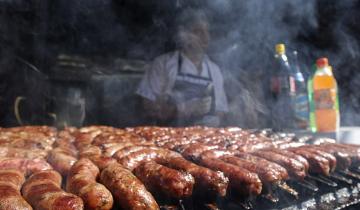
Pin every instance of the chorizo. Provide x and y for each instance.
(43, 191)
(10, 197)
(81, 181)
(172, 183)
(130, 193)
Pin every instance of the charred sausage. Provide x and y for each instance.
(61, 161)
(23, 165)
(42, 190)
(328, 156)
(209, 182)
(295, 168)
(242, 181)
(293, 156)
(318, 164)
(257, 160)
(81, 181)
(10, 197)
(130, 193)
(172, 183)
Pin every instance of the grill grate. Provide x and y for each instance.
(339, 191)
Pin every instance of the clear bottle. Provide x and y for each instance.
(282, 91)
(300, 100)
(325, 98)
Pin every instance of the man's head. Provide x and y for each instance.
(193, 31)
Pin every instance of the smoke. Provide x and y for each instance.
(243, 37)
(245, 33)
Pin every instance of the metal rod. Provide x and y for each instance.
(308, 185)
(351, 174)
(169, 207)
(246, 205)
(341, 178)
(181, 205)
(270, 197)
(211, 206)
(283, 186)
(357, 170)
(323, 180)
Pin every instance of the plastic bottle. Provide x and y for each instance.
(325, 98)
(312, 122)
(300, 100)
(282, 90)
(337, 105)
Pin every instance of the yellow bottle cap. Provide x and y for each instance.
(280, 49)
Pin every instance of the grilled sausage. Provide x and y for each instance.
(27, 138)
(83, 139)
(81, 181)
(293, 156)
(61, 161)
(207, 182)
(250, 147)
(242, 181)
(134, 159)
(170, 182)
(111, 148)
(353, 151)
(22, 153)
(10, 196)
(261, 161)
(135, 156)
(65, 142)
(193, 151)
(124, 152)
(318, 164)
(119, 136)
(102, 161)
(287, 145)
(215, 154)
(171, 144)
(129, 192)
(266, 174)
(205, 179)
(42, 190)
(343, 158)
(295, 168)
(331, 158)
(23, 165)
(89, 151)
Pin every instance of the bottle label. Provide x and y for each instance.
(301, 110)
(275, 84)
(283, 85)
(292, 85)
(325, 98)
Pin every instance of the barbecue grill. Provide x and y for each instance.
(341, 190)
(187, 150)
(82, 63)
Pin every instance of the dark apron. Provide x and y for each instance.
(188, 86)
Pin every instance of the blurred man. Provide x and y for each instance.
(185, 87)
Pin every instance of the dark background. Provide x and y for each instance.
(33, 33)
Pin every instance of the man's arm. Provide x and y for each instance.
(161, 109)
(153, 88)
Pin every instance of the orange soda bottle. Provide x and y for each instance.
(325, 98)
